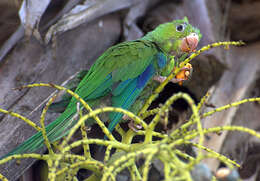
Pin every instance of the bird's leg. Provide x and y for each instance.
(161, 79)
(131, 124)
(184, 74)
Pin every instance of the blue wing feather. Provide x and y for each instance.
(129, 95)
(121, 87)
(161, 60)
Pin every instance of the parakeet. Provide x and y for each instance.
(122, 72)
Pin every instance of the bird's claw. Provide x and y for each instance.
(161, 79)
(186, 68)
(184, 74)
(131, 124)
(134, 127)
(177, 80)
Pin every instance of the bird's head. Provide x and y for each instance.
(176, 37)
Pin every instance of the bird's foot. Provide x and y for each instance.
(134, 127)
(184, 74)
(131, 124)
(161, 79)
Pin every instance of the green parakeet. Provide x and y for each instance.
(122, 72)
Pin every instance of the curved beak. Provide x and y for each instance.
(190, 43)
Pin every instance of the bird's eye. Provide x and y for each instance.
(180, 27)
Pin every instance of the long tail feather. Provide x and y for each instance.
(54, 130)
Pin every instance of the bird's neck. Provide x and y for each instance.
(168, 46)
